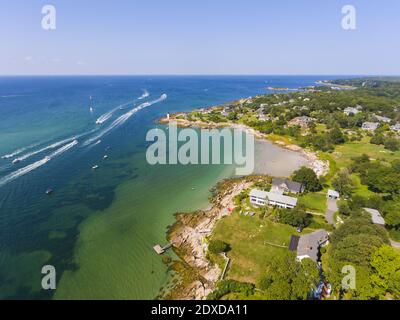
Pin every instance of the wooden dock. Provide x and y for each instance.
(161, 250)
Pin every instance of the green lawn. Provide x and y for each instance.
(344, 153)
(315, 202)
(247, 237)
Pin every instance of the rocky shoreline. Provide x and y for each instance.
(189, 234)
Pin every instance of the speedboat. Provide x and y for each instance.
(95, 167)
(105, 157)
(49, 191)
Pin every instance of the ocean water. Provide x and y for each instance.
(98, 227)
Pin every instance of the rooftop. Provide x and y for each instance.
(375, 216)
(291, 185)
(258, 194)
(281, 198)
(309, 244)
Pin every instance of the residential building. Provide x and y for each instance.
(376, 216)
(350, 110)
(263, 198)
(370, 126)
(333, 194)
(303, 121)
(396, 127)
(258, 197)
(308, 246)
(382, 119)
(282, 186)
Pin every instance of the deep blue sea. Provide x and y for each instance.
(98, 227)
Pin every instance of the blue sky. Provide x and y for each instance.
(200, 37)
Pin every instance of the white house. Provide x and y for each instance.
(396, 127)
(350, 110)
(333, 194)
(263, 198)
(370, 126)
(258, 197)
(382, 119)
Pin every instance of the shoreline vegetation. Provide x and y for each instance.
(198, 271)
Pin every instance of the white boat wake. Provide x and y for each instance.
(18, 151)
(51, 146)
(122, 119)
(25, 170)
(144, 95)
(109, 114)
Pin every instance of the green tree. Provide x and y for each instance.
(392, 144)
(218, 246)
(342, 182)
(308, 178)
(297, 217)
(385, 263)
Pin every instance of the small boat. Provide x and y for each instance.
(105, 157)
(49, 191)
(95, 167)
(16, 161)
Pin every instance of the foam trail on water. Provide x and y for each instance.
(144, 95)
(63, 149)
(122, 119)
(49, 147)
(18, 151)
(25, 170)
(52, 146)
(103, 118)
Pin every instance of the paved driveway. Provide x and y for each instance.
(332, 208)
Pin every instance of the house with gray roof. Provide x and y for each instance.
(282, 186)
(350, 110)
(376, 216)
(308, 245)
(263, 198)
(382, 119)
(395, 127)
(370, 126)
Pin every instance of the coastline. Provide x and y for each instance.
(188, 235)
(320, 167)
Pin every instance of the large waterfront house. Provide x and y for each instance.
(282, 186)
(370, 126)
(308, 246)
(376, 216)
(264, 198)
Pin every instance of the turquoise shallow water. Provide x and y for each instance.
(98, 227)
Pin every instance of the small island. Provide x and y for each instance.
(289, 238)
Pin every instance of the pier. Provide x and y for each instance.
(161, 250)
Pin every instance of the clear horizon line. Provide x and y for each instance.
(195, 74)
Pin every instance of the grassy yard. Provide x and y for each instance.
(315, 202)
(247, 237)
(344, 153)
